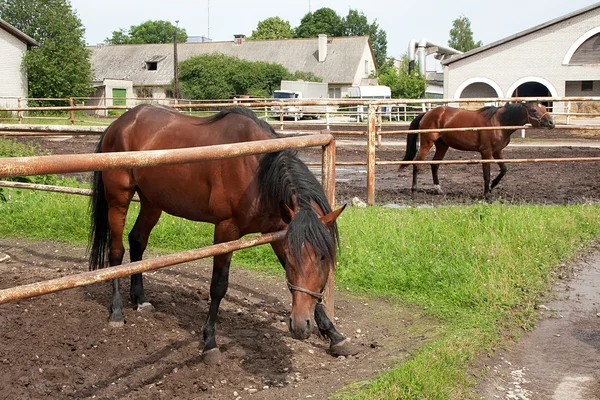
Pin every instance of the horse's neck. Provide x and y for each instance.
(511, 119)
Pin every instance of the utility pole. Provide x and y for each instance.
(176, 94)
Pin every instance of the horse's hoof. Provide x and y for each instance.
(116, 324)
(438, 189)
(212, 356)
(146, 306)
(344, 348)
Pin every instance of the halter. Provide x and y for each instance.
(539, 120)
(318, 296)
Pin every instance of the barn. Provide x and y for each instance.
(13, 79)
(558, 58)
(146, 70)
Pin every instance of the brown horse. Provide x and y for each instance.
(489, 143)
(239, 196)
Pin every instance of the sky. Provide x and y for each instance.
(402, 20)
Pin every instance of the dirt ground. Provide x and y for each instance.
(60, 346)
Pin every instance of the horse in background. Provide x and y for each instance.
(489, 143)
(242, 195)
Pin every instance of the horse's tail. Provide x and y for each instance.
(411, 140)
(99, 240)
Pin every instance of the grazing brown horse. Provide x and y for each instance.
(239, 196)
(489, 143)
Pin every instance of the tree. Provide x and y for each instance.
(404, 85)
(356, 24)
(272, 28)
(60, 67)
(148, 32)
(461, 36)
(217, 76)
(324, 20)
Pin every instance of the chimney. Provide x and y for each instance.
(239, 38)
(322, 47)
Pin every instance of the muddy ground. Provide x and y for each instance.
(60, 346)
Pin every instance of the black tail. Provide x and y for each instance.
(411, 140)
(99, 239)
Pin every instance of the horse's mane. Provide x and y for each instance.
(512, 115)
(245, 112)
(284, 177)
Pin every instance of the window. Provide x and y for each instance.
(587, 86)
(367, 70)
(151, 65)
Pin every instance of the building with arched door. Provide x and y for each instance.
(558, 58)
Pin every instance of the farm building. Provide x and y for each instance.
(146, 70)
(558, 58)
(13, 79)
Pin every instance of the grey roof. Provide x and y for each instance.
(521, 34)
(128, 62)
(17, 33)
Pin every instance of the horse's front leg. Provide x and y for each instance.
(486, 178)
(218, 287)
(503, 169)
(338, 344)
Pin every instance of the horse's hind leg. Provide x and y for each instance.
(424, 148)
(138, 240)
(440, 151)
(116, 216)
(503, 169)
(118, 193)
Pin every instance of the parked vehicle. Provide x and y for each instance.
(369, 92)
(296, 90)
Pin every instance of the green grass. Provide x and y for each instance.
(477, 269)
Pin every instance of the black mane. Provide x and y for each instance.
(284, 177)
(514, 113)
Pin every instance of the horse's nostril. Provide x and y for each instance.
(307, 324)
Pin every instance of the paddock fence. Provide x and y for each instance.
(340, 117)
(57, 164)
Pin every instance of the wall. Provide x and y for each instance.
(534, 57)
(13, 80)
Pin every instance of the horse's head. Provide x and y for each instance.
(310, 248)
(538, 116)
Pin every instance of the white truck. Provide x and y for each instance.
(369, 92)
(300, 90)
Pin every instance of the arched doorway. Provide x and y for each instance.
(533, 89)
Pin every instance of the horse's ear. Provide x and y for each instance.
(332, 216)
(287, 214)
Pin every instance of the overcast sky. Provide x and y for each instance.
(402, 20)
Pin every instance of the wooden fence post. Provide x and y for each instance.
(20, 113)
(328, 182)
(371, 133)
(72, 111)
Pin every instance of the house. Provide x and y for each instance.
(558, 58)
(146, 70)
(13, 79)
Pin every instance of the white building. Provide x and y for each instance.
(558, 58)
(146, 70)
(13, 78)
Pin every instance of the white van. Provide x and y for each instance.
(369, 92)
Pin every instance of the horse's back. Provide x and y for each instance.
(150, 127)
(209, 191)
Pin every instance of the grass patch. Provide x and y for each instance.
(478, 269)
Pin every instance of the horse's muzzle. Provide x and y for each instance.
(550, 124)
(300, 328)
